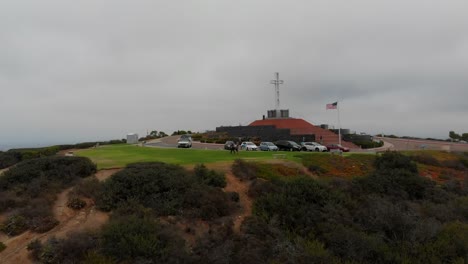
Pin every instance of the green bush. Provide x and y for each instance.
(392, 160)
(209, 177)
(425, 158)
(2, 246)
(76, 203)
(167, 189)
(295, 205)
(316, 169)
(89, 187)
(369, 144)
(396, 175)
(8, 159)
(244, 170)
(30, 188)
(233, 196)
(42, 224)
(73, 249)
(132, 238)
(61, 170)
(35, 247)
(14, 225)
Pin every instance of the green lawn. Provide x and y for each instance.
(116, 156)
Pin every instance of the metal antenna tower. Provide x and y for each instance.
(277, 83)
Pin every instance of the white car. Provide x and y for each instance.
(184, 141)
(313, 146)
(248, 146)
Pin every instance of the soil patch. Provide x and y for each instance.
(245, 202)
(102, 175)
(70, 220)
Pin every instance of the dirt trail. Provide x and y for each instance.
(3, 170)
(70, 220)
(105, 174)
(242, 188)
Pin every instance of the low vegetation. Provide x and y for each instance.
(29, 189)
(2, 246)
(327, 165)
(13, 156)
(392, 215)
(354, 209)
(167, 190)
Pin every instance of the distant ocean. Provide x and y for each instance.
(5, 147)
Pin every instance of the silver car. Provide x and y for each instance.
(268, 146)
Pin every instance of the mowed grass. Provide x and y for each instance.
(117, 156)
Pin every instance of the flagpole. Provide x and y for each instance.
(339, 124)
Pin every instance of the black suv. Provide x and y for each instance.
(287, 145)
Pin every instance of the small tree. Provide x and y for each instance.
(454, 135)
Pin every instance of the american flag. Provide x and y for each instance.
(332, 106)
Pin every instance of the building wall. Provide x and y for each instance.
(265, 133)
(132, 138)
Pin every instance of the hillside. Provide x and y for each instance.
(307, 208)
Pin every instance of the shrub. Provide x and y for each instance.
(8, 159)
(70, 250)
(244, 170)
(260, 187)
(167, 189)
(454, 164)
(42, 224)
(369, 144)
(392, 160)
(76, 203)
(296, 204)
(132, 238)
(89, 187)
(30, 187)
(209, 177)
(95, 257)
(206, 202)
(425, 158)
(63, 170)
(233, 196)
(14, 225)
(2, 246)
(35, 247)
(316, 169)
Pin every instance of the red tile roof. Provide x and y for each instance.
(296, 125)
(299, 126)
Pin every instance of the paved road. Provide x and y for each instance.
(171, 142)
(417, 144)
(389, 144)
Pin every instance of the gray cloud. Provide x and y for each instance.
(86, 70)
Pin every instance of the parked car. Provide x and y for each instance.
(228, 144)
(248, 146)
(287, 145)
(335, 147)
(313, 146)
(268, 146)
(185, 141)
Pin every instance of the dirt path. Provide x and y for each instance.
(105, 174)
(3, 170)
(70, 220)
(242, 188)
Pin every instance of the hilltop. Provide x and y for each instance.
(244, 208)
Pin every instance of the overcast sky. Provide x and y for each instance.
(73, 71)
